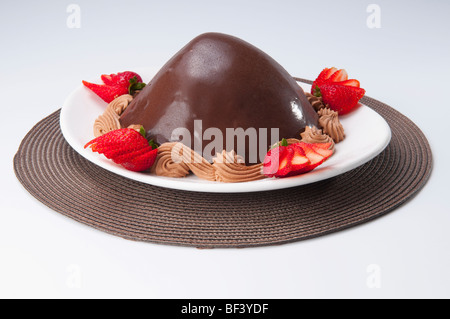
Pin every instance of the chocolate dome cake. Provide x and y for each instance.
(226, 83)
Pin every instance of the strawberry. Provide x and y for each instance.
(299, 161)
(340, 98)
(124, 157)
(326, 75)
(141, 162)
(338, 76)
(277, 162)
(351, 82)
(322, 148)
(121, 78)
(316, 155)
(340, 93)
(115, 85)
(126, 147)
(295, 159)
(319, 146)
(105, 92)
(117, 138)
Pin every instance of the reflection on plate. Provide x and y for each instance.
(367, 134)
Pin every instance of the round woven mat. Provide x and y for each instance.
(63, 180)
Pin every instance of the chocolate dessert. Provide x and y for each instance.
(226, 83)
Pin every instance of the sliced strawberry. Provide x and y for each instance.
(329, 75)
(277, 162)
(299, 160)
(339, 92)
(284, 166)
(326, 74)
(295, 159)
(315, 159)
(113, 139)
(324, 152)
(322, 78)
(115, 85)
(141, 162)
(108, 79)
(126, 157)
(105, 92)
(338, 76)
(341, 98)
(121, 78)
(120, 150)
(126, 147)
(325, 146)
(351, 82)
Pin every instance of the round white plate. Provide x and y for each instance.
(367, 134)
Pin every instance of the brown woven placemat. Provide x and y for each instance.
(64, 181)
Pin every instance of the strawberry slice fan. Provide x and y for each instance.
(295, 159)
(126, 147)
(55, 174)
(115, 85)
(341, 94)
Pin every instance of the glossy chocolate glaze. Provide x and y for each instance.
(227, 83)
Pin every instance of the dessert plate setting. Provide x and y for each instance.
(55, 174)
(383, 161)
(367, 135)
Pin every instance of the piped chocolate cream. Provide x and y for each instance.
(222, 82)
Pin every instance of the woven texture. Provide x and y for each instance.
(64, 181)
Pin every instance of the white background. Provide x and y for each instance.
(404, 64)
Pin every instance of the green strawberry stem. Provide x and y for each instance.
(317, 92)
(153, 144)
(283, 142)
(135, 85)
(142, 131)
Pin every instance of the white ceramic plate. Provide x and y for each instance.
(367, 134)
